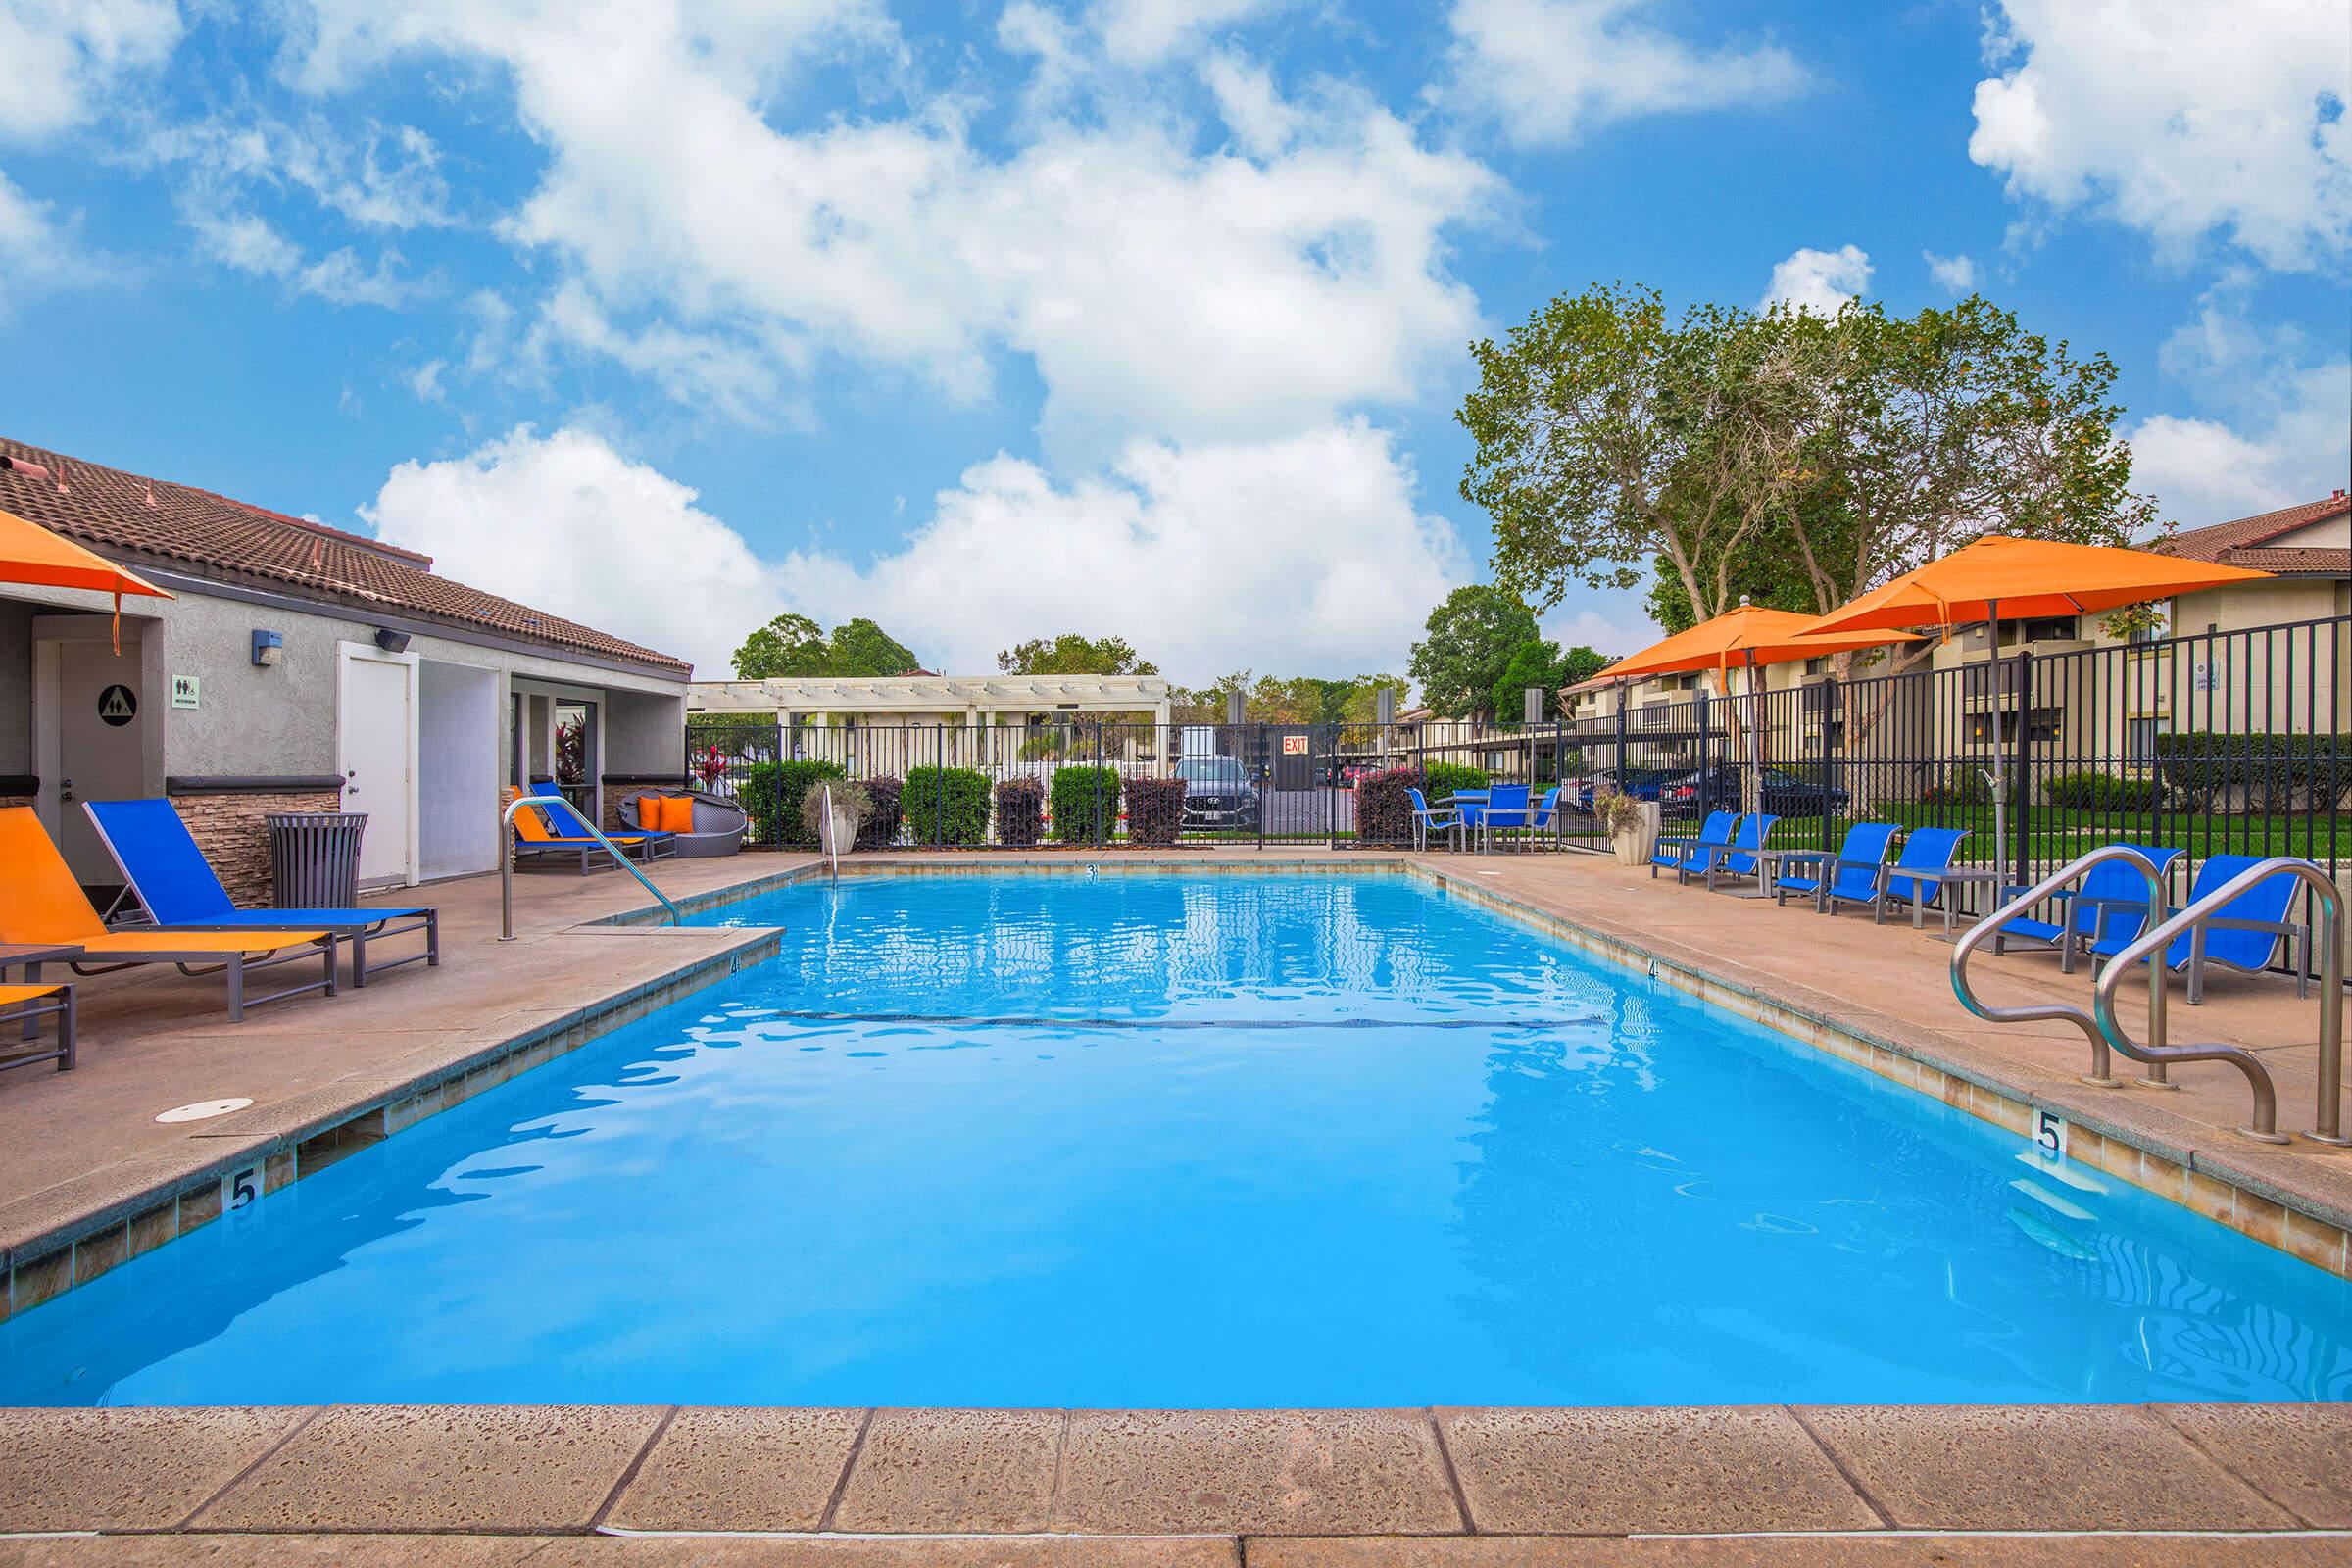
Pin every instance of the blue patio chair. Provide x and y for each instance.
(166, 873)
(1851, 871)
(1914, 877)
(553, 825)
(1447, 817)
(1547, 810)
(1679, 854)
(2111, 904)
(1739, 857)
(1506, 807)
(2244, 936)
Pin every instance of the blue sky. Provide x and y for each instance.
(1135, 316)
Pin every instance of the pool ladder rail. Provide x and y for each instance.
(506, 867)
(2107, 1034)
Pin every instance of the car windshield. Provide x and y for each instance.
(1210, 770)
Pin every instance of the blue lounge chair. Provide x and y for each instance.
(2244, 936)
(1545, 810)
(1506, 807)
(2111, 904)
(166, 873)
(1445, 818)
(1739, 857)
(1914, 877)
(554, 826)
(1851, 871)
(1681, 855)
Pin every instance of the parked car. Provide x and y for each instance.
(1641, 783)
(1687, 793)
(1218, 793)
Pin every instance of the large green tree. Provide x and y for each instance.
(1799, 459)
(1071, 653)
(1469, 640)
(1540, 663)
(792, 644)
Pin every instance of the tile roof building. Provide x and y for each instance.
(300, 666)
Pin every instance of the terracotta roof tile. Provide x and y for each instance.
(2242, 543)
(130, 516)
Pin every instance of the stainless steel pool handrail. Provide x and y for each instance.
(2150, 949)
(1986, 929)
(506, 867)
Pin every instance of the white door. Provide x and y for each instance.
(101, 715)
(376, 734)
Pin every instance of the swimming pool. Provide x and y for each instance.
(1203, 1140)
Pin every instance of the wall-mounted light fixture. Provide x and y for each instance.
(268, 647)
(392, 642)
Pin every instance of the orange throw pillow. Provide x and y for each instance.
(675, 815)
(648, 814)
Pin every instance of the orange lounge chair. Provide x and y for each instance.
(41, 905)
(29, 1005)
(536, 832)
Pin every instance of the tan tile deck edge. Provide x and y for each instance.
(1304, 1484)
(37, 1267)
(2308, 1226)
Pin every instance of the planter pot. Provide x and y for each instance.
(1634, 845)
(837, 833)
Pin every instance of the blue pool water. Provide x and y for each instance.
(1190, 1141)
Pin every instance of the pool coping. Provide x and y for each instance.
(1790, 1473)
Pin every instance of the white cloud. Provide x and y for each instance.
(1158, 290)
(1249, 104)
(1955, 275)
(37, 254)
(250, 243)
(1191, 553)
(1819, 280)
(2278, 426)
(2178, 117)
(1552, 70)
(1141, 32)
(60, 56)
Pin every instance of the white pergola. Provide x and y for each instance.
(978, 700)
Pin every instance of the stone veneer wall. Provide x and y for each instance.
(230, 829)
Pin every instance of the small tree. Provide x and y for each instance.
(1072, 653)
(1471, 638)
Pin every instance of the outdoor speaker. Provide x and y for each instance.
(392, 642)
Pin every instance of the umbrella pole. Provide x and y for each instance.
(2000, 796)
(1755, 728)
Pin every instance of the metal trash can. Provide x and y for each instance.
(314, 859)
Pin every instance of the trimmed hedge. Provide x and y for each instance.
(1384, 811)
(1020, 814)
(2256, 770)
(1154, 809)
(1442, 779)
(880, 829)
(946, 806)
(1086, 804)
(2100, 792)
(771, 795)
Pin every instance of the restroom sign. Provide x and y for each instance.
(184, 691)
(118, 706)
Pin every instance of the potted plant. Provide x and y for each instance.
(836, 834)
(1631, 824)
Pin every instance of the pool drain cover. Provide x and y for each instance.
(204, 1110)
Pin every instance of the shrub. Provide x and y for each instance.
(946, 806)
(1441, 779)
(770, 796)
(2100, 792)
(1021, 812)
(1964, 787)
(1086, 804)
(1154, 809)
(847, 797)
(1384, 811)
(880, 829)
(2216, 771)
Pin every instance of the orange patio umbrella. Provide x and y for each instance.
(31, 554)
(1751, 637)
(2022, 578)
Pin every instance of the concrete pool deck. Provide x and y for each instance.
(81, 1156)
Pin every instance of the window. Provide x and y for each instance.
(2139, 738)
(2051, 629)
